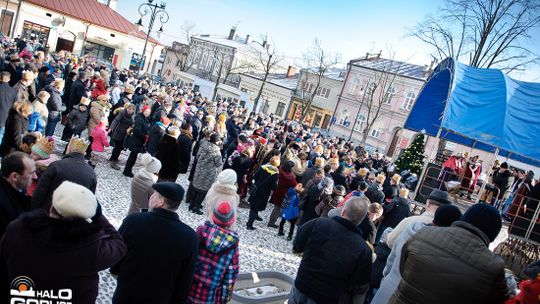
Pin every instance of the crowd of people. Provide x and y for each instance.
(358, 242)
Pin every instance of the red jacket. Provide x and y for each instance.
(99, 89)
(285, 181)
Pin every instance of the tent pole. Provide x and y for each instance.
(489, 171)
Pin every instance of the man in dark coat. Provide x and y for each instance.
(159, 246)
(118, 132)
(169, 155)
(196, 125)
(136, 142)
(73, 168)
(185, 142)
(265, 182)
(157, 131)
(78, 90)
(324, 280)
(14, 69)
(61, 249)
(8, 96)
(18, 170)
(374, 191)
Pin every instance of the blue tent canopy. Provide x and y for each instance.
(485, 109)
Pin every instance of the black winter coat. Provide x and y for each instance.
(16, 74)
(136, 142)
(321, 278)
(184, 145)
(157, 131)
(395, 211)
(310, 201)
(12, 203)
(169, 155)
(66, 98)
(54, 105)
(340, 179)
(78, 90)
(120, 124)
(196, 127)
(16, 127)
(146, 233)
(374, 194)
(73, 168)
(77, 120)
(8, 96)
(58, 254)
(502, 181)
(266, 181)
(240, 165)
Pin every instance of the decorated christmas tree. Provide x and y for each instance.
(412, 158)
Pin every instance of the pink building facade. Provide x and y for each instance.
(396, 96)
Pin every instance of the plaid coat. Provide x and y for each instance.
(217, 267)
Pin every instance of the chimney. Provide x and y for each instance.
(264, 44)
(247, 39)
(112, 4)
(291, 71)
(379, 55)
(232, 33)
(367, 55)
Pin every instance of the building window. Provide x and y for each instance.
(323, 92)
(359, 122)
(280, 108)
(266, 107)
(204, 60)
(98, 51)
(390, 93)
(356, 86)
(169, 60)
(377, 129)
(409, 101)
(344, 118)
(35, 31)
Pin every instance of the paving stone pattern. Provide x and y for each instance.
(261, 249)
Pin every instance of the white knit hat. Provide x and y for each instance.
(72, 200)
(151, 164)
(227, 177)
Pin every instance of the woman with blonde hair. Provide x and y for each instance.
(40, 105)
(16, 127)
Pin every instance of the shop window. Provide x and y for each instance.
(35, 31)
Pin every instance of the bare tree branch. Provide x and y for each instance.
(491, 33)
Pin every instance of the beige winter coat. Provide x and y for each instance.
(141, 190)
(41, 108)
(97, 113)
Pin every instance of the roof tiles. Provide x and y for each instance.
(94, 12)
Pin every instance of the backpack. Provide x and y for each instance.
(290, 206)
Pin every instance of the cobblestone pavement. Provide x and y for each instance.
(261, 249)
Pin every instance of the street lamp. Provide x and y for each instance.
(155, 11)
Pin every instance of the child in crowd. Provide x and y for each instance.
(99, 134)
(290, 210)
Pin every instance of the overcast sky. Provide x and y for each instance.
(350, 28)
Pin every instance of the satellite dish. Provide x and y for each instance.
(58, 22)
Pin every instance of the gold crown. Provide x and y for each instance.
(77, 145)
(44, 145)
